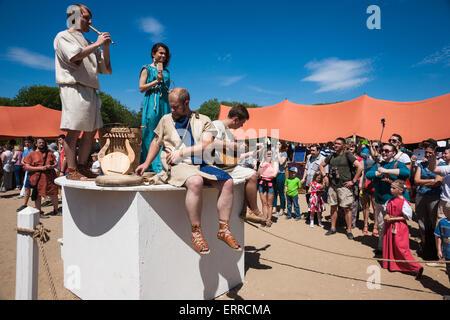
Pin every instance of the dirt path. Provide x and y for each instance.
(275, 269)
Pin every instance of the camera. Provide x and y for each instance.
(334, 173)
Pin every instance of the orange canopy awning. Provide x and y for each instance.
(36, 121)
(414, 121)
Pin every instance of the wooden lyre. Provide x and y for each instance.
(121, 159)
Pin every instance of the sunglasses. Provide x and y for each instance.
(386, 151)
(393, 140)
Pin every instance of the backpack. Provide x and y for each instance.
(350, 164)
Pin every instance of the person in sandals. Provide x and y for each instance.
(226, 147)
(77, 64)
(184, 136)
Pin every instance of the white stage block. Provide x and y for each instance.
(135, 243)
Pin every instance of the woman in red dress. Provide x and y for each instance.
(396, 233)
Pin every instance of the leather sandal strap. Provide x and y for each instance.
(198, 241)
(74, 174)
(226, 236)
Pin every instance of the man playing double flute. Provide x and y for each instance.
(77, 64)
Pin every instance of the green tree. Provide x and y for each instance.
(44, 95)
(211, 108)
(322, 103)
(7, 102)
(114, 112)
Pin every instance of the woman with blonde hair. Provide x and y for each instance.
(268, 170)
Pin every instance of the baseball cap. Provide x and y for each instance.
(293, 169)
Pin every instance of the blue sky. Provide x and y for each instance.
(254, 51)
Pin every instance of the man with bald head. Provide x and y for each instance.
(184, 136)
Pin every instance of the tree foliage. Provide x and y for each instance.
(112, 110)
(43, 95)
(7, 102)
(211, 107)
(322, 103)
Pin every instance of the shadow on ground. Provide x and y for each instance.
(9, 196)
(252, 260)
(426, 281)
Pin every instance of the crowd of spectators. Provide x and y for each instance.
(378, 179)
(31, 166)
(381, 180)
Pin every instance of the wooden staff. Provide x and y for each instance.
(98, 32)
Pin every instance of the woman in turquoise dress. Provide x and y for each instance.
(155, 84)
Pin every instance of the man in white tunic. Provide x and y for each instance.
(77, 64)
(225, 145)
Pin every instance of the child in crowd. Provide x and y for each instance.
(442, 234)
(292, 187)
(316, 203)
(95, 168)
(396, 233)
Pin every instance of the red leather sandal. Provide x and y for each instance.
(225, 235)
(253, 216)
(85, 171)
(198, 241)
(74, 174)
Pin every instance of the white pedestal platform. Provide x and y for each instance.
(135, 243)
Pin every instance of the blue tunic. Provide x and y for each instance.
(155, 105)
(181, 125)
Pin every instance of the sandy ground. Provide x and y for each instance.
(275, 269)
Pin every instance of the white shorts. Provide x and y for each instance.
(80, 108)
(240, 172)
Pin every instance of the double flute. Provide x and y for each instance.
(98, 32)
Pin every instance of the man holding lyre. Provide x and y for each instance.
(77, 64)
(226, 148)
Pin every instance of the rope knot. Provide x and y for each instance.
(41, 233)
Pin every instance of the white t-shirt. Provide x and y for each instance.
(312, 166)
(56, 153)
(445, 193)
(406, 209)
(96, 168)
(220, 132)
(7, 163)
(402, 157)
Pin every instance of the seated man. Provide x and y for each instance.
(183, 136)
(226, 148)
